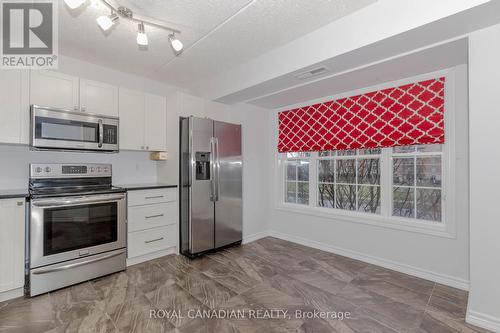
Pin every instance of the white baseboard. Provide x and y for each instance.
(400, 267)
(15, 293)
(150, 256)
(254, 237)
(482, 320)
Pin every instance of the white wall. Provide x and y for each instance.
(256, 197)
(128, 166)
(484, 85)
(432, 257)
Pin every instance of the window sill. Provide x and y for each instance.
(422, 227)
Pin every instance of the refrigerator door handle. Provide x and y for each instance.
(213, 169)
(217, 166)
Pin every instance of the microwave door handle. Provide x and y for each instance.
(101, 133)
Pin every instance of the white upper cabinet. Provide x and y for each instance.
(11, 243)
(131, 119)
(155, 122)
(54, 89)
(14, 110)
(98, 98)
(143, 121)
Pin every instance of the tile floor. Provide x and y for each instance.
(264, 275)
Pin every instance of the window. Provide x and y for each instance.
(397, 184)
(417, 182)
(297, 178)
(350, 180)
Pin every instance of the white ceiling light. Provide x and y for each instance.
(74, 4)
(176, 44)
(142, 38)
(106, 22)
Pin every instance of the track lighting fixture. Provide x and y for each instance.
(106, 22)
(142, 38)
(74, 4)
(175, 44)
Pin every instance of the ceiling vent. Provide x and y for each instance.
(311, 73)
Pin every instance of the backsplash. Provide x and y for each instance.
(128, 166)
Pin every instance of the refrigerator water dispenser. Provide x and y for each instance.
(202, 160)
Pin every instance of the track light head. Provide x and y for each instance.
(142, 38)
(74, 4)
(106, 22)
(176, 44)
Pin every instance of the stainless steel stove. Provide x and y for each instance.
(77, 225)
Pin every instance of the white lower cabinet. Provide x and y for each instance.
(152, 230)
(151, 240)
(12, 215)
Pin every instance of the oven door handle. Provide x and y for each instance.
(77, 264)
(76, 201)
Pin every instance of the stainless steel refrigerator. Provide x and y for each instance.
(210, 185)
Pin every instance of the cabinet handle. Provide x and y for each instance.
(153, 216)
(154, 240)
(154, 197)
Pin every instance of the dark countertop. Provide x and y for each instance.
(145, 186)
(14, 193)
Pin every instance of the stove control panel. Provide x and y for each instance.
(69, 170)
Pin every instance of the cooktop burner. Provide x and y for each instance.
(50, 180)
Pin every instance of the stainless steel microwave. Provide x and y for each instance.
(53, 128)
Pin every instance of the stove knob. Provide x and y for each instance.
(92, 169)
(38, 169)
(48, 169)
(98, 169)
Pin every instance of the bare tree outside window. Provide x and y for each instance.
(417, 182)
(350, 180)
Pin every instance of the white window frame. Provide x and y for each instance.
(446, 228)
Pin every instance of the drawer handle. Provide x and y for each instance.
(155, 197)
(154, 240)
(153, 216)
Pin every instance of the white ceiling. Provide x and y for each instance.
(424, 61)
(217, 34)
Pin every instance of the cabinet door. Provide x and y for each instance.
(156, 122)
(131, 104)
(14, 110)
(11, 244)
(98, 98)
(54, 89)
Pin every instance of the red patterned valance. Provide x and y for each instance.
(406, 115)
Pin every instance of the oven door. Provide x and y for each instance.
(67, 228)
(60, 129)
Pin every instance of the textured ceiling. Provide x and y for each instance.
(217, 34)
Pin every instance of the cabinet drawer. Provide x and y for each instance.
(154, 196)
(151, 216)
(151, 240)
